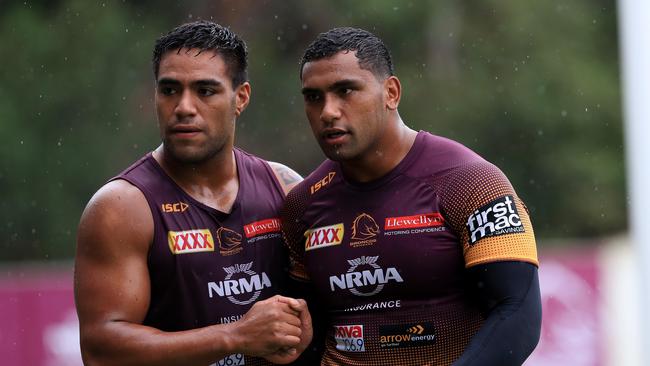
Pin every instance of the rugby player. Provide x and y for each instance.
(180, 258)
(419, 251)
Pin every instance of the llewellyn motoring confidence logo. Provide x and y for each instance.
(414, 224)
(498, 217)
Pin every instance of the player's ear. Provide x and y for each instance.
(392, 92)
(242, 96)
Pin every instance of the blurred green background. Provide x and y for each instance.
(531, 86)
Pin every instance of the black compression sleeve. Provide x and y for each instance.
(508, 293)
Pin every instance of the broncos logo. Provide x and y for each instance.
(364, 227)
(228, 239)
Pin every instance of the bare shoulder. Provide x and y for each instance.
(111, 279)
(117, 213)
(287, 177)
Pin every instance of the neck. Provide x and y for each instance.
(213, 182)
(389, 150)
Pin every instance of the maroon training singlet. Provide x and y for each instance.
(208, 267)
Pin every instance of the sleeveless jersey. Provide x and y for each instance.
(387, 258)
(208, 267)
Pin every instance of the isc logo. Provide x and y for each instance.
(174, 207)
(349, 338)
(190, 241)
(322, 183)
(496, 218)
(324, 236)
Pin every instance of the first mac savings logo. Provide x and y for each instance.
(496, 218)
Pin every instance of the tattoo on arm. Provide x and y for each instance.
(288, 176)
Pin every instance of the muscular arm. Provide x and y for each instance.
(508, 293)
(112, 295)
(287, 177)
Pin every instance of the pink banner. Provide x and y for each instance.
(39, 322)
(571, 324)
(39, 325)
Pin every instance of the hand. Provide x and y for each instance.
(269, 326)
(287, 355)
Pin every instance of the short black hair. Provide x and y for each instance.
(206, 36)
(372, 53)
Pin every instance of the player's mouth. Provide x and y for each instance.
(184, 131)
(334, 136)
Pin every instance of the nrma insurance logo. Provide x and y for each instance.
(498, 217)
(365, 277)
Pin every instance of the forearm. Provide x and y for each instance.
(123, 343)
(513, 324)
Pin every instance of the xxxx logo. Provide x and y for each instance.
(190, 241)
(325, 236)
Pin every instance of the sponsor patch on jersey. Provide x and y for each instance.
(498, 217)
(388, 304)
(349, 338)
(229, 241)
(364, 231)
(241, 285)
(365, 277)
(236, 359)
(190, 241)
(262, 227)
(432, 219)
(322, 183)
(325, 236)
(397, 336)
(174, 207)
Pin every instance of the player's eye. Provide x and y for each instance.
(206, 92)
(312, 97)
(167, 90)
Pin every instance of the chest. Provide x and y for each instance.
(222, 261)
(392, 242)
